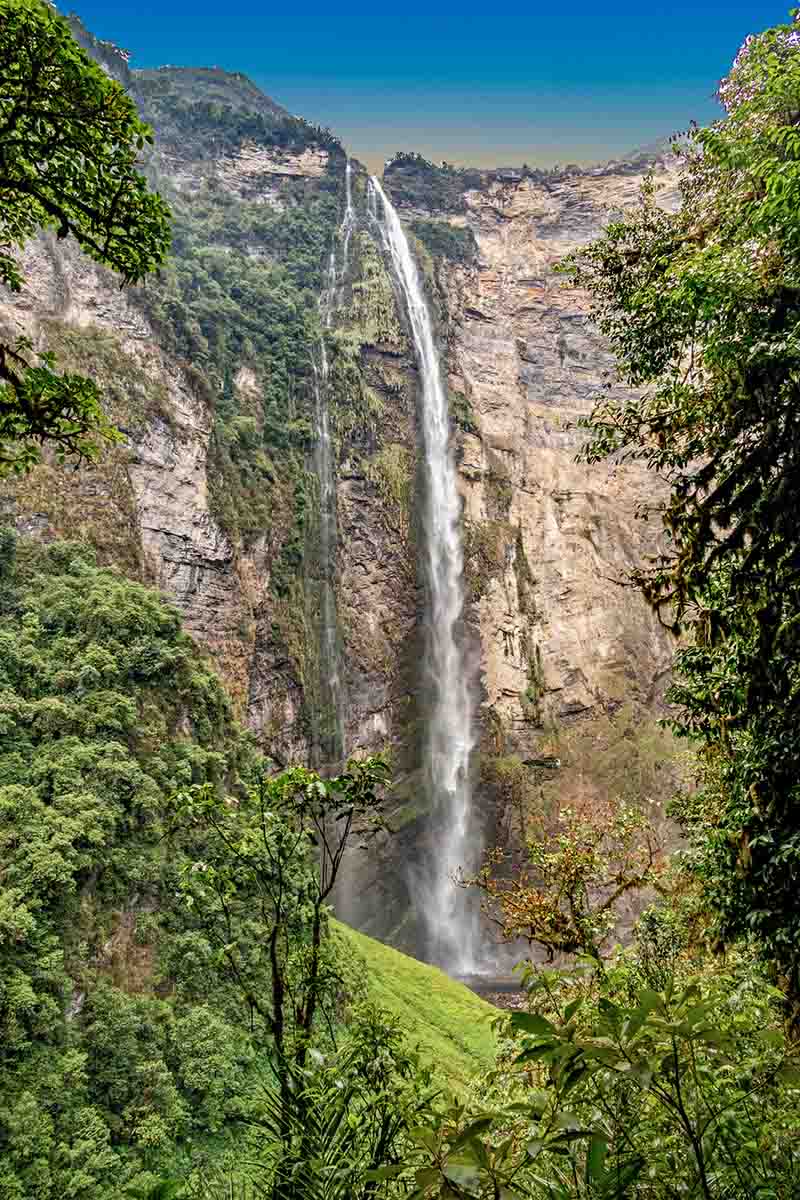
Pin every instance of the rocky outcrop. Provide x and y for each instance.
(154, 506)
(146, 505)
(252, 172)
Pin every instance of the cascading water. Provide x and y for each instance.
(349, 219)
(450, 918)
(330, 734)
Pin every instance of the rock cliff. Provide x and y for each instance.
(550, 541)
(209, 373)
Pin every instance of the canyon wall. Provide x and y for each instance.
(550, 541)
(210, 496)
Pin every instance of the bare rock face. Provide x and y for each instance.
(153, 491)
(247, 172)
(250, 174)
(549, 541)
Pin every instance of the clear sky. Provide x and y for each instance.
(481, 83)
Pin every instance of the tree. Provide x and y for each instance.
(565, 898)
(259, 894)
(702, 309)
(261, 899)
(348, 1119)
(70, 141)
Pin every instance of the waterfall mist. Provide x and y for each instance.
(449, 914)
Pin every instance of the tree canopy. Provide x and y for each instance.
(70, 146)
(702, 309)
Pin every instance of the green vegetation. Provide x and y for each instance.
(564, 898)
(627, 755)
(240, 291)
(260, 898)
(372, 309)
(345, 1126)
(391, 472)
(70, 144)
(97, 505)
(106, 706)
(207, 110)
(454, 243)
(237, 305)
(414, 182)
(486, 545)
(450, 1024)
(359, 394)
(629, 1086)
(499, 489)
(463, 413)
(701, 308)
(132, 393)
(531, 698)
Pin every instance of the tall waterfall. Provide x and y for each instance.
(331, 734)
(450, 918)
(349, 219)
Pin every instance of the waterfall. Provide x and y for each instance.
(349, 219)
(450, 917)
(331, 732)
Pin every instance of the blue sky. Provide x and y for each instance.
(480, 83)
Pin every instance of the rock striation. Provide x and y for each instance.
(561, 636)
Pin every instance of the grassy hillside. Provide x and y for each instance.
(450, 1023)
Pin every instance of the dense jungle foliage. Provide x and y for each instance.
(106, 707)
(179, 1015)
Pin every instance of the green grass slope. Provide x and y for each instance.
(450, 1023)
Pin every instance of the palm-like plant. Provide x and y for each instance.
(345, 1124)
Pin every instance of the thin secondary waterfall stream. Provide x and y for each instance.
(331, 732)
(451, 921)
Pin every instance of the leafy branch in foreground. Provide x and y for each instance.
(70, 144)
(565, 897)
(38, 405)
(347, 1120)
(260, 895)
(689, 1092)
(261, 888)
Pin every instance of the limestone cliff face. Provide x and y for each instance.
(549, 541)
(170, 504)
(211, 495)
(564, 644)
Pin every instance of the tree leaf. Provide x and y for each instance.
(473, 1130)
(595, 1160)
(531, 1023)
